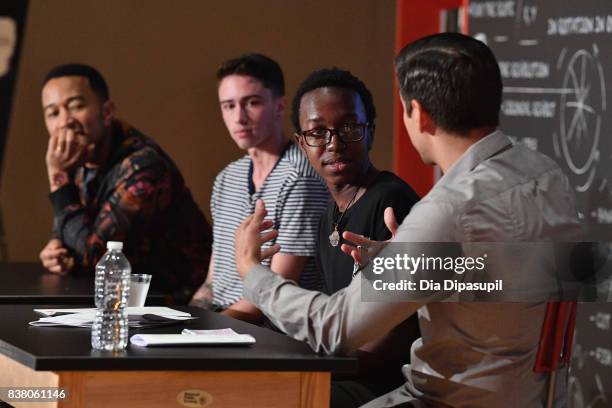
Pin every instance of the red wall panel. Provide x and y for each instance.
(415, 19)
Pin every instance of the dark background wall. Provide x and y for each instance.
(159, 58)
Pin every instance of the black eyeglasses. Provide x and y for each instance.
(347, 133)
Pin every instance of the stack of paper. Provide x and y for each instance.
(226, 337)
(138, 317)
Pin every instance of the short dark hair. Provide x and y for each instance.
(257, 66)
(332, 78)
(96, 81)
(454, 77)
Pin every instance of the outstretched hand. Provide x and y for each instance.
(362, 247)
(250, 238)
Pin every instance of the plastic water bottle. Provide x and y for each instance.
(110, 327)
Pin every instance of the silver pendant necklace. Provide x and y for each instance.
(334, 237)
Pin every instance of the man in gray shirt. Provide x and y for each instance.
(470, 354)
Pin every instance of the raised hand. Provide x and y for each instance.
(65, 152)
(390, 221)
(249, 239)
(362, 248)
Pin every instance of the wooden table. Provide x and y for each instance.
(275, 372)
(30, 283)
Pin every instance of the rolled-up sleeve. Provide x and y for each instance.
(336, 324)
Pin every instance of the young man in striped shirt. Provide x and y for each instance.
(252, 100)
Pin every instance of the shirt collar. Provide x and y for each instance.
(487, 147)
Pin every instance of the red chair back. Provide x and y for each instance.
(557, 336)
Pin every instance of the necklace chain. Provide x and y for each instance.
(334, 237)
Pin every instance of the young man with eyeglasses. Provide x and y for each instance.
(333, 114)
(252, 100)
(334, 117)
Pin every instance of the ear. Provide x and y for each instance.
(405, 116)
(300, 141)
(281, 105)
(108, 112)
(422, 119)
(403, 104)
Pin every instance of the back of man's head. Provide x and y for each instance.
(455, 78)
(96, 81)
(258, 66)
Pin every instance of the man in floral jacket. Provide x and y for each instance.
(109, 182)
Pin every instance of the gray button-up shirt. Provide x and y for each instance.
(470, 354)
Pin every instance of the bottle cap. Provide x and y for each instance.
(114, 245)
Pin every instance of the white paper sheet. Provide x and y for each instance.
(132, 311)
(156, 340)
(85, 317)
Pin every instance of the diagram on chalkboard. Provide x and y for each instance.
(577, 396)
(580, 398)
(581, 109)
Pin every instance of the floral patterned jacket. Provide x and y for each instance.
(139, 197)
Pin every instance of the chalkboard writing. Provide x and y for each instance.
(590, 384)
(556, 62)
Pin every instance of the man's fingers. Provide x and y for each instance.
(71, 146)
(49, 262)
(47, 256)
(257, 218)
(266, 224)
(53, 142)
(357, 239)
(354, 253)
(57, 269)
(268, 252)
(246, 223)
(391, 221)
(54, 243)
(69, 137)
(54, 253)
(75, 149)
(52, 262)
(358, 257)
(268, 236)
(61, 144)
(348, 249)
(68, 264)
(260, 212)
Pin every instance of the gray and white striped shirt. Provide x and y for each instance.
(295, 198)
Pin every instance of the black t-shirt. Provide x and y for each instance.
(365, 217)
